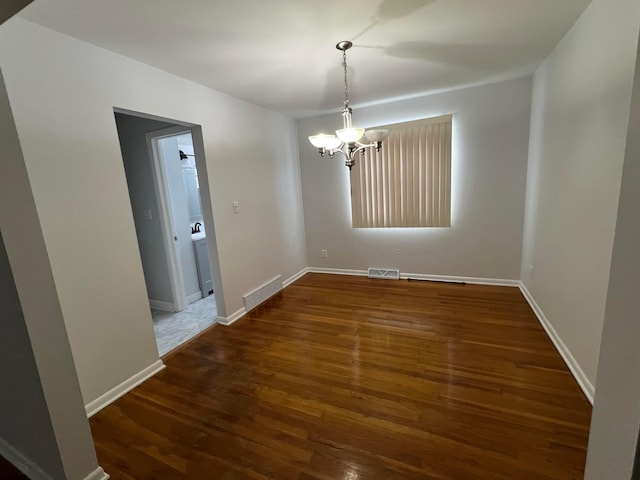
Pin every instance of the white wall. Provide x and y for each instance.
(490, 141)
(616, 418)
(63, 92)
(580, 110)
(137, 164)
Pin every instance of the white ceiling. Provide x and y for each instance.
(281, 53)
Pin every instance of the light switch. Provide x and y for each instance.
(236, 207)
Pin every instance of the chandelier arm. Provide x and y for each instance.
(361, 148)
(348, 157)
(376, 145)
(333, 152)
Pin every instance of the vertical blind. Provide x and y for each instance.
(408, 182)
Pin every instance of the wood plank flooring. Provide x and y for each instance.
(9, 472)
(350, 378)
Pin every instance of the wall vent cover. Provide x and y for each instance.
(388, 273)
(262, 293)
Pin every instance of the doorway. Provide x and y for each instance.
(162, 165)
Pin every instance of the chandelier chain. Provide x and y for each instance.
(344, 67)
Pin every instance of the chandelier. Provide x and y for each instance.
(347, 141)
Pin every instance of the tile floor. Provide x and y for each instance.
(173, 329)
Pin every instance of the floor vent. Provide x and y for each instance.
(262, 293)
(388, 273)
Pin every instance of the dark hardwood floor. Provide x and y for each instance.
(9, 472)
(350, 378)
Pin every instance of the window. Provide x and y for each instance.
(408, 182)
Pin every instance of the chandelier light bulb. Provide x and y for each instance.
(377, 135)
(319, 141)
(332, 142)
(350, 135)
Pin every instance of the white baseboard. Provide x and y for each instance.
(115, 393)
(33, 471)
(500, 282)
(21, 462)
(170, 307)
(565, 353)
(226, 321)
(97, 474)
(295, 277)
(162, 306)
(194, 297)
(423, 276)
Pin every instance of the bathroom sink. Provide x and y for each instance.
(198, 236)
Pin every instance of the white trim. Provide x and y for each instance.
(165, 216)
(500, 282)
(33, 471)
(21, 462)
(563, 350)
(97, 474)
(160, 305)
(194, 297)
(115, 393)
(423, 276)
(295, 277)
(226, 321)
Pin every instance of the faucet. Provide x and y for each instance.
(196, 227)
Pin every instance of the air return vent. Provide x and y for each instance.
(262, 293)
(388, 273)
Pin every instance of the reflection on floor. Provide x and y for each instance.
(173, 329)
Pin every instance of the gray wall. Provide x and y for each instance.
(63, 92)
(137, 165)
(616, 417)
(40, 308)
(8, 8)
(25, 423)
(579, 120)
(490, 141)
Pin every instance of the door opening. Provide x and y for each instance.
(162, 161)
